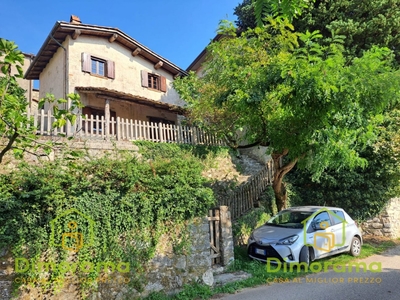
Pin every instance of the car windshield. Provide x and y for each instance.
(288, 218)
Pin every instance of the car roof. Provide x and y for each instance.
(312, 208)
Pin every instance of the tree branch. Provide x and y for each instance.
(9, 145)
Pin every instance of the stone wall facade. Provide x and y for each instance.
(387, 223)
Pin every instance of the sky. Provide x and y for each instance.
(175, 29)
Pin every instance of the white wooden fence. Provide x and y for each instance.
(90, 126)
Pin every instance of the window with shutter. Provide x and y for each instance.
(98, 66)
(153, 81)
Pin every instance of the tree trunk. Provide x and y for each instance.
(280, 193)
(278, 185)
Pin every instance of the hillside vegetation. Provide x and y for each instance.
(133, 201)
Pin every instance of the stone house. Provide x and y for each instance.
(114, 74)
(197, 64)
(31, 93)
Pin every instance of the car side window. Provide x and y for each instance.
(321, 221)
(338, 217)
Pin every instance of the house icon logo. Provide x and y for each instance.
(329, 237)
(72, 230)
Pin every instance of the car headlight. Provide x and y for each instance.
(288, 241)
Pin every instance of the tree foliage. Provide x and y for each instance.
(245, 13)
(17, 133)
(285, 8)
(287, 90)
(251, 13)
(362, 23)
(359, 26)
(362, 192)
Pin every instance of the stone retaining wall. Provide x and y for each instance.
(91, 147)
(387, 223)
(168, 271)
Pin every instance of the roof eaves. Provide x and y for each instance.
(111, 30)
(41, 50)
(201, 57)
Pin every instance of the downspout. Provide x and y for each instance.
(30, 90)
(65, 68)
(65, 87)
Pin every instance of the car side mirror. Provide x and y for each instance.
(316, 226)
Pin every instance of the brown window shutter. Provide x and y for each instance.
(86, 62)
(163, 84)
(110, 69)
(145, 78)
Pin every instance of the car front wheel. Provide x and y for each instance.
(355, 247)
(305, 256)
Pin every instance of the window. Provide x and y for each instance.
(154, 81)
(322, 220)
(98, 66)
(338, 217)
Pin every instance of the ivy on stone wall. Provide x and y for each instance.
(126, 203)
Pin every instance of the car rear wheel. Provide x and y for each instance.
(355, 247)
(305, 256)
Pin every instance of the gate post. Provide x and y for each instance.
(226, 237)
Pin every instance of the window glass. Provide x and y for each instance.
(97, 66)
(338, 217)
(153, 81)
(288, 218)
(101, 68)
(322, 220)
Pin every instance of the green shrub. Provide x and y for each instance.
(243, 227)
(131, 201)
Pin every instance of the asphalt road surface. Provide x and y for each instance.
(380, 284)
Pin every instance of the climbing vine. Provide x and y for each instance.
(126, 203)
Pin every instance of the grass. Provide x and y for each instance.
(260, 275)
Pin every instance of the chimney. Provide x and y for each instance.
(75, 20)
